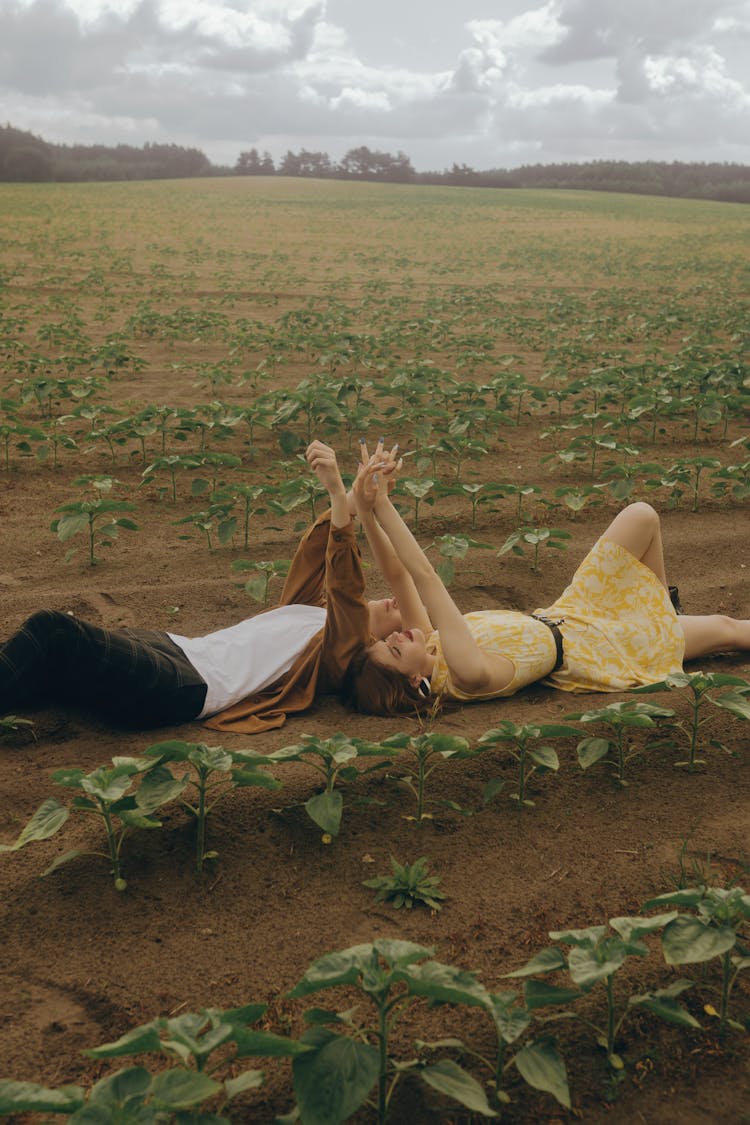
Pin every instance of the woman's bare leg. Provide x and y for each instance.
(705, 636)
(638, 529)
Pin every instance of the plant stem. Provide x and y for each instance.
(521, 774)
(610, 1015)
(694, 734)
(726, 968)
(111, 841)
(382, 1077)
(200, 830)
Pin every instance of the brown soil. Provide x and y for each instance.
(82, 963)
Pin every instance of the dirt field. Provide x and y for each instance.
(81, 963)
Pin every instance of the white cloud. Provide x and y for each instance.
(561, 79)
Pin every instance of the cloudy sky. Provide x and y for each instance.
(493, 84)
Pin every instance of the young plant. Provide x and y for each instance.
(426, 751)
(713, 931)
(258, 586)
(96, 518)
(520, 742)
(104, 793)
(334, 759)
(534, 537)
(621, 718)
(218, 772)
(698, 685)
(214, 520)
(342, 1070)
(595, 955)
(135, 1096)
(407, 884)
(450, 548)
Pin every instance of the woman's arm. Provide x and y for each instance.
(322, 461)
(471, 669)
(400, 582)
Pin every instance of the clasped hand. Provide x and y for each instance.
(376, 475)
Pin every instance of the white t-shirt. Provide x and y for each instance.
(247, 657)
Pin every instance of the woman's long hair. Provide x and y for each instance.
(371, 688)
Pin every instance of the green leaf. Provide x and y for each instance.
(332, 1081)
(448, 1078)
(688, 940)
(591, 750)
(545, 756)
(494, 786)
(182, 1089)
(547, 961)
(539, 994)
(125, 1089)
(21, 1097)
(157, 788)
(542, 1067)
(736, 702)
(663, 1003)
(134, 1042)
(444, 984)
(264, 1044)
(62, 860)
(48, 819)
(326, 809)
(248, 1080)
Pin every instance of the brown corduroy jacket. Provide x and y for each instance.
(326, 570)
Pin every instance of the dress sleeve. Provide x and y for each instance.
(347, 625)
(306, 580)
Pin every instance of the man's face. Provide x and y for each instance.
(385, 617)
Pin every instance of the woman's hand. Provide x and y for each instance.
(322, 461)
(383, 469)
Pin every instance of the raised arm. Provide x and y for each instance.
(471, 669)
(400, 582)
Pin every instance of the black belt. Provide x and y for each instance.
(554, 628)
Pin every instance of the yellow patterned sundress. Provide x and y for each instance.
(527, 643)
(619, 630)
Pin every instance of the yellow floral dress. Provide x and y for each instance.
(619, 630)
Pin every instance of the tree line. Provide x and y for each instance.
(30, 159)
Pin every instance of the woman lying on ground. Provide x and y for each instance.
(612, 629)
(245, 678)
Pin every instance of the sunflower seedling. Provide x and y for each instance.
(136, 1095)
(333, 758)
(409, 883)
(699, 684)
(427, 751)
(520, 742)
(105, 794)
(713, 931)
(97, 518)
(621, 718)
(218, 772)
(345, 1067)
(595, 955)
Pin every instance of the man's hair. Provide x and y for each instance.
(373, 689)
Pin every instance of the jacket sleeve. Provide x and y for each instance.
(347, 626)
(305, 582)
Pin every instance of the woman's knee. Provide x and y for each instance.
(643, 512)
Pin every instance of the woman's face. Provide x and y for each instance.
(404, 652)
(385, 617)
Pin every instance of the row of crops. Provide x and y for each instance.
(342, 1061)
(533, 374)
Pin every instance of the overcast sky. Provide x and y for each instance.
(493, 84)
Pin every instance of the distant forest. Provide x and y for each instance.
(26, 158)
